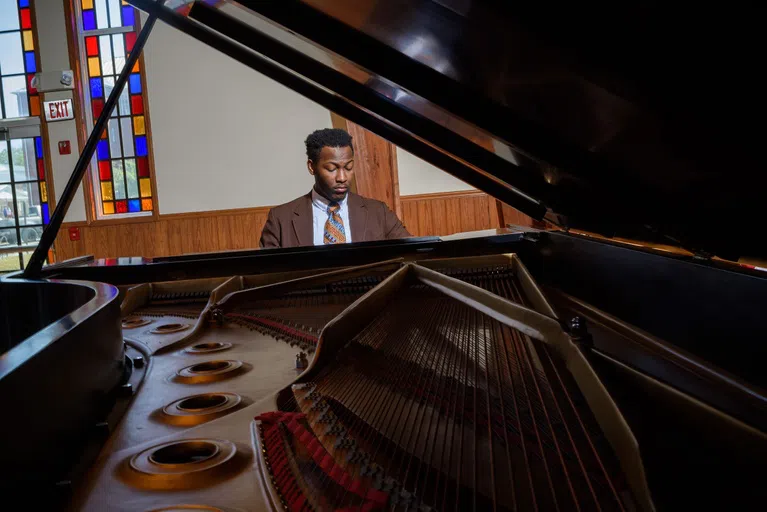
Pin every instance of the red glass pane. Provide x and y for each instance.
(105, 170)
(122, 206)
(31, 89)
(143, 167)
(98, 106)
(130, 40)
(26, 18)
(92, 46)
(40, 169)
(137, 104)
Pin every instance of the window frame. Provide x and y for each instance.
(37, 124)
(84, 118)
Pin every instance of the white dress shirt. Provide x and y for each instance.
(320, 215)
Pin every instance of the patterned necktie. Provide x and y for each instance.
(334, 227)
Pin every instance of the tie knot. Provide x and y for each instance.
(333, 207)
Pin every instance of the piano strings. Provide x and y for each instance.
(436, 405)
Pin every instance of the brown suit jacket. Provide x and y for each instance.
(291, 224)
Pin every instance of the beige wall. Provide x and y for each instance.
(419, 177)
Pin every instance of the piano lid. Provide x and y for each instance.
(622, 120)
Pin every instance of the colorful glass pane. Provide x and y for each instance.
(89, 20)
(30, 89)
(46, 214)
(94, 66)
(29, 42)
(138, 125)
(109, 207)
(40, 169)
(130, 40)
(91, 46)
(87, 4)
(134, 205)
(122, 206)
(38, 147)
(135, 83)
(30, 63)
(143, 167)
(43, 192)
(128, 19)
(146, 187)
(141, 147)
(102, 150)
(146, 205)
(34, 106)
(136, 67)
(26, 18)
(106, 190)
(97, 88)
(97, 106)
(137, 104)
(23, 3)
(105, 170)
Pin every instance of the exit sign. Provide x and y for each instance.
(58, 110)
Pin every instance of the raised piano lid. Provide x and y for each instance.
(624, 121)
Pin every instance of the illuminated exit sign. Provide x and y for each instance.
(58, 110)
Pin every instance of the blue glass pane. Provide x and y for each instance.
(38, 147)
(89, 20)
(127, 16)
(135, 83)
(29, 58)
(97, 88)
(102, 149)
(23, 3)
(134, 205)
(46, 214)
(141, 149)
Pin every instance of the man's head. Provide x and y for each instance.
(331, 161)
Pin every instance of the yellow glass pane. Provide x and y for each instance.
(29, 42)
(109, 207)
(43, 192)
(94, 66)
(106, 191)
(87, 4)
(34, 105)
(146, 187)
(146, 205)
(124, 2)
(138, 125)
(135, 68)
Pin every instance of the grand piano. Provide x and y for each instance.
(610, 360)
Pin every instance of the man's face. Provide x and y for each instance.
(333, 172)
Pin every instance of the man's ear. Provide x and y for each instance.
(310, 166)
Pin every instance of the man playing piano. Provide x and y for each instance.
(330, 213)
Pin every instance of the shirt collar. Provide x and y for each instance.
(322, 203)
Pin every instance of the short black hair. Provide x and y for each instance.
(327, 137)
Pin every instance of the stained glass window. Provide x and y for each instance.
(18, 62)
(121, 171)
(24, 205)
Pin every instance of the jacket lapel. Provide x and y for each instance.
(303, 221)
(358, 218)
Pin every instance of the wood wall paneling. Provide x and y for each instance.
(449, 213)
(229, 230)
(375, 164)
